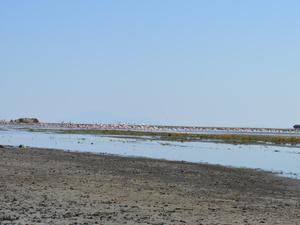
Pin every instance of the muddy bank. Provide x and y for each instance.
(39, 186)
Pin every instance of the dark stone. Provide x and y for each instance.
(27, 120)
(1, 146)
(297, 126)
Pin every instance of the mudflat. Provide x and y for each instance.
(44, 186)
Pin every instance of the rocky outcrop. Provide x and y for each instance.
(297, 126)
(27, 120)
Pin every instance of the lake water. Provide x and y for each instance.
(282, 160)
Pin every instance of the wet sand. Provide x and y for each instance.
(40, 186)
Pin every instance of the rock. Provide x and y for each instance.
(21, 146)
(297, 126)
(27, 120)
(1, 146)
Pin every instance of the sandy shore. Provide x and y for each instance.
(39, 186)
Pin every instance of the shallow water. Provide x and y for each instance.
(282, 160)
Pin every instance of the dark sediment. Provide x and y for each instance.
(39, 186)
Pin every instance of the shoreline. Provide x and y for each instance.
(260, 139)
(279, 174)
(151, 127)
(42, 186)
(231, 135)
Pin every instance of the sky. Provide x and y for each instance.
(200, 63)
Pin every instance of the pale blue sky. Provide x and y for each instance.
(206, 63)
